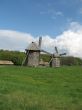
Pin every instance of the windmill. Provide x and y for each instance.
(33, 54)
(55, 60)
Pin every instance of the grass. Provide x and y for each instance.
(23, 88)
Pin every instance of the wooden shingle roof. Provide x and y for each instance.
(33, 46)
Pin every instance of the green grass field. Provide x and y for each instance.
(23, 88)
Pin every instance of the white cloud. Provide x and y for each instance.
(14, 40)
(70, 40)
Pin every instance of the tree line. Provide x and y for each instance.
(17, 58)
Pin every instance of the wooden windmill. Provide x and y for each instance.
(55, 60)
(33, 54)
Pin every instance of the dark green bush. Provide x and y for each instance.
(70, 61)
(15, 56)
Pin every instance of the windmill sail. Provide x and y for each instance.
(56, 50)
(62, 54)
(57, 53)
(46, 52)
(55, 60)
(25, 59)
(40, 41)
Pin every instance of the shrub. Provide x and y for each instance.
(15, 56)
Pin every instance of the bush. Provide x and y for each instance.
(15, 56)
(70, 61)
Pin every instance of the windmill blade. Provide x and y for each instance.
(40, 41)
(50, 60)
(46, 52)
(26, 58)
(56, 50)
(62, 54)
(25, 61)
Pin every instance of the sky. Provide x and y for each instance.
(59, 22)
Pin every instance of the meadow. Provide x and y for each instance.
(23, 88)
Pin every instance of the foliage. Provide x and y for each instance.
(15, 56)
(23, 88)
(45, 57)
(71, 61)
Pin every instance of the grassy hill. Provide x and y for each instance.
(23, 88)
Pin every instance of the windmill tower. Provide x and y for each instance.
(33, 54)
(55, 61)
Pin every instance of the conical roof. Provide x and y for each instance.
(33, 46)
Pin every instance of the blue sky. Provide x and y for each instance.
(59, 22)
(39, 17)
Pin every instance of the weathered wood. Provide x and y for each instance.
(33, 58)
(55, 62)
(32, 55)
